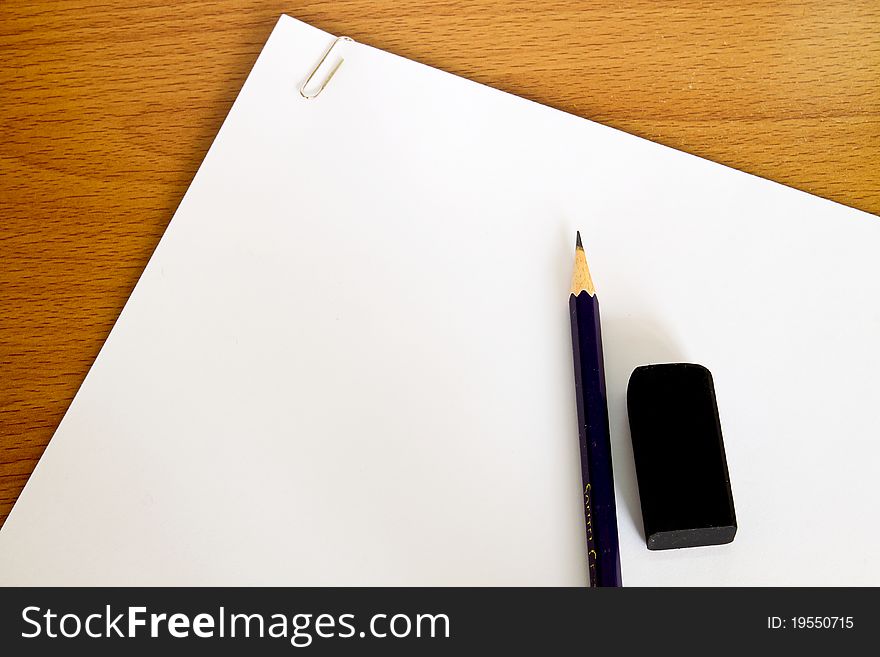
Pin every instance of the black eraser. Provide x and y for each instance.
(681, 467)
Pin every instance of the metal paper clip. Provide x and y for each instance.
(304, 85)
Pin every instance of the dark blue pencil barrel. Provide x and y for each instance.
(600, 510)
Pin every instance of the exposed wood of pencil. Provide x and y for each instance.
(581, 281)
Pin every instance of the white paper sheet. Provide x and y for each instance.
(349, 359)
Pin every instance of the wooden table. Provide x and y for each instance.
(107, 111)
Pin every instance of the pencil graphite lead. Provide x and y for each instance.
(579, 244)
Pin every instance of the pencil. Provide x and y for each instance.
(603, 550)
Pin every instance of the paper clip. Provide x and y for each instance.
(304, 85)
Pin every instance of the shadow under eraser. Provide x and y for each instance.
(681, 467)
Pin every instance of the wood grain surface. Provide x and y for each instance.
(108, 108)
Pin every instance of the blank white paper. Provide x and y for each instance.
(348, 361)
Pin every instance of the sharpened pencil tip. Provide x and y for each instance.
(581, 281)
